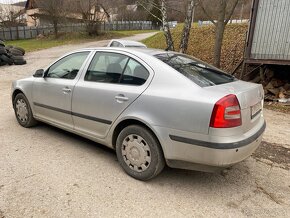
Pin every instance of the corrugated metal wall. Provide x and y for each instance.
(271, 38)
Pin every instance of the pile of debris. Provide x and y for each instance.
(11, 55)
(276, 89)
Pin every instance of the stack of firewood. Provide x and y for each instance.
(275, 89)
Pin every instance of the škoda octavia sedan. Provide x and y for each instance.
(153, 107)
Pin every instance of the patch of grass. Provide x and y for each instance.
(201, 43)
(71, 38)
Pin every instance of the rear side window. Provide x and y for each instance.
(135, 74)
(106, 67)
(200, 73)
(110, 67)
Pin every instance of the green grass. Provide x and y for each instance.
(72, 38)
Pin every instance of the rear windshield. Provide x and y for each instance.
(200, 73)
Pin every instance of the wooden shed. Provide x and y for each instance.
(268, 39)
(267, 51)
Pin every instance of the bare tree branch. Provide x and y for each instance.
(231, 11)
(225, 11)
(200, 3)
(148, 11)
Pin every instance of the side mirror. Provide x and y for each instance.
(39, 73)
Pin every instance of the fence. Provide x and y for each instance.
(24, 32)
(207, 22)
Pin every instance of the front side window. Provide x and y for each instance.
(68, 67)
(200, 73)
(106, 67)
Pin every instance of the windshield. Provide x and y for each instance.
(200, 73)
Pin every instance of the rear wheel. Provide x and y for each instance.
(23, 111)
(139, 153)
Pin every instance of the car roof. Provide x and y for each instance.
(148, 51)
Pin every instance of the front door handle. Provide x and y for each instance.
(121, 98)
(66, 90)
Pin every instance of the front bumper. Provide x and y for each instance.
(186, 153)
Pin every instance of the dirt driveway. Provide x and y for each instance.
(46, 172)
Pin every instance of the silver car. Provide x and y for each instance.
(153, 107)
(125, 43)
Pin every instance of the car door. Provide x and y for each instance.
(112, 82)
(52, 93)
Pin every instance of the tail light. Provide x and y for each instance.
(226, 113)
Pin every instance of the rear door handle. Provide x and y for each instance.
(121, 98)
(66, 90)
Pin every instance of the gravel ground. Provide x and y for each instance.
(46, 172)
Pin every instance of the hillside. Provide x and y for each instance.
(201, 43)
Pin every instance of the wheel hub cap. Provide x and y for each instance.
(136, 153)
(21, 110)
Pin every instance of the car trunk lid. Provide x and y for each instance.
(247, 93)
(250, 97)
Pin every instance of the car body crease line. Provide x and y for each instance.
(74, 114)
(216, 145)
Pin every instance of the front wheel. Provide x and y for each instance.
(23, 111)
(139, 153)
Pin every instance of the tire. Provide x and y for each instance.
(142, 159)
(9, 46)
(3, 51)
(17, 58)
(20, 49)
(6, 59)
(15, 52)
(23, 111)
(2, 63)
(20, 62)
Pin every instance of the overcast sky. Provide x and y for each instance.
(10, 1)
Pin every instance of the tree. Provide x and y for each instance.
(225, 11)
(10, 15)
(187, 26)
(161, 8)
(54, 10)
(155, 13)
(132, 13)
(92, 12)
(166, 28)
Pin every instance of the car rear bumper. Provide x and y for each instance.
(186, 153)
